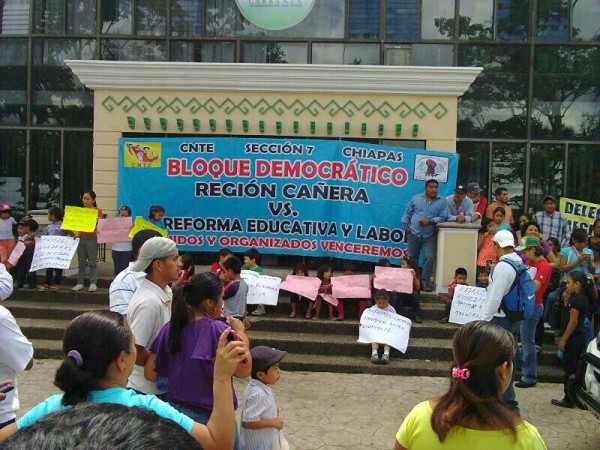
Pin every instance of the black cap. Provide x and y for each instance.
(474, 188)
(549, 197)
(460, 189)
(264, 357)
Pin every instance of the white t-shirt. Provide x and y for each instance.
(15, 353)
(501, 280)
(122, 246)
(149, 310)
(6, 227)
(6, 283)
(122, 289)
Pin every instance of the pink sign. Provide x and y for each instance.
(115, 229)
(351, 286)
(330, 299)
(16, 254)
(304, 286)
(393, 279)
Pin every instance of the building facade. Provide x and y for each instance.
(530, 121)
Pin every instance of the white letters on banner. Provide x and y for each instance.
(262, 289)
(54, 252)
(383, 327)
(467, 305)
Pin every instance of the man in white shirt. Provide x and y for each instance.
(501, 280)
(150, 307)
(16, 352)
(127, 281)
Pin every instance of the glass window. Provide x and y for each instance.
(585, 20)
(512, 20)
(437, 19)
(474, 162)
(363, 20)
(124, 50)
(64, 16)
(44, 169)
(365, 54)
(77, 163)
(58, 96)
(566, 93)
(150, 17)
(508, 170)
(186, 17)
(583, 169)
(13, 81)
(552, 21)
(546, 172)
(186, 51)
(274, 52)
(495, 105)
(12, 169)
(476, 19)
(402, 19)
(14, 17)
(419, 55)
(116, 16)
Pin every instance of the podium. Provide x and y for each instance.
(456, 247)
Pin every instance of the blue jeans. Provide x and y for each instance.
(509, 397)
(550, 315)
(428, 246)
(528, 327)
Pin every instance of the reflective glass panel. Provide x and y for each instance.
(363, 20)
(419, 55)
(402, 19)
(59, 98)
(12, 169)
(437, 19)
(583, 169)
(186, 17)
(44, 169)
(77, 164)
(365, 54)
(14, 17)
(116, 16)
(474, 163)
(13, 81)
(123, 50)
(476, 19)
(187, 51)
(150, 17)
(552, 21)
(585, 20)
(508, 170)
(274, 52)
(512, 20)
(546, 172)
(64, 16)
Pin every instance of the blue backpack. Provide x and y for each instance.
(519, 303)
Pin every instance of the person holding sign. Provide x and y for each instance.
(324, 273)
(53, 275)
(460, 278)
(156, 215)
(300, 270)
(236, 292)
(471, 412)
(26, 231)
(122, 252)
(7, 238)
(382, 301)
(87, 251)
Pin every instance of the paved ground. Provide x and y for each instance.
(349, 411)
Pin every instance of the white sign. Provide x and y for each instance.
(263, 290)
(54, 252)
(468, 304)
(383, 327)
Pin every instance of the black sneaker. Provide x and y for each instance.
(563, 403)
(523, 384)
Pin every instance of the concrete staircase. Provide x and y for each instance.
(313, 345)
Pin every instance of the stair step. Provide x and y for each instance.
(49, 329)
(63, 295)
(47, 349)
(46, 310)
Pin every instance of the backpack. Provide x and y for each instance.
(519, 303)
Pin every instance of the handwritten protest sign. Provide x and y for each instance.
(383, 327)
(115, 229)
(80, 219)
(467, 304)
(307, 287)
(351, 286)
(249, 275)
(263, 290)
(393, 279)
(53, 252)
(16, 254)
(141, 224)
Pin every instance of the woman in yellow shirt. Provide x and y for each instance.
(471, 414)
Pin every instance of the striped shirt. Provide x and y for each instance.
(555, 226)
(122, 289)
(259, 404)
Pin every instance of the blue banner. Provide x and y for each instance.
(300, 197)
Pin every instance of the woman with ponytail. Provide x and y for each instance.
(184, 351)
(99, 357)
(471, 414)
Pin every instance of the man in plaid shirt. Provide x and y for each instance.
(552, 222)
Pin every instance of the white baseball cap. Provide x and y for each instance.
(153, 248)
(504, 238)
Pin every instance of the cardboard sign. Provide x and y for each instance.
(351, 286)
(307, 287)
(384, 327)
(330, 299)
(141, 224)
(115, 229)
(263, 290)
(468, 304)
(393, 279)
(580, 214)
(80, 219)
(16, 254)
(54, 252)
